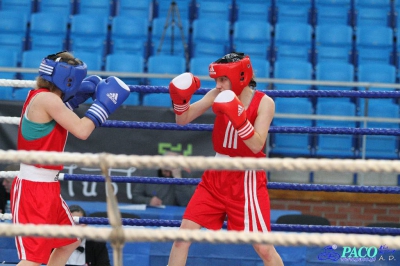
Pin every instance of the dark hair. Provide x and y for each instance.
(77, 208)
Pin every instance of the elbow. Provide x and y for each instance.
(256, 150)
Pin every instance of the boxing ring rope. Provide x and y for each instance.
(118, 234)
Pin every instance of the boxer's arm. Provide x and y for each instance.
(198, 108)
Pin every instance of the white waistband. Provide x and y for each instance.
(33, 173)
(221, 155)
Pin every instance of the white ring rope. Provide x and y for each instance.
(17, 83)
(201, 162)
(210, 236)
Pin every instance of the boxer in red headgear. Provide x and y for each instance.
(243, 118)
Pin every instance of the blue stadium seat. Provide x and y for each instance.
(371, 12)
(93, 60)
(137, 8)
(334, 71)
(293, 41)
(254, 10)
(374, 44)
(382, 147)
(292, 70)
(207, 42)
(286, 144)
(13, 31)
(337, 37)
(210, 9)
(48, 31)
(199, 67)
(32, 59)
(7, 59)
(88, 33)
(59, 7)
(130, 34)
(336, 146)
(254, 37)
(333, 12)
(162, 64)
(133, 63)
(164, 8)
(103, 8)
(293, 11)
(375, 73)
(167, 40)
(261, 68)
(22, 7)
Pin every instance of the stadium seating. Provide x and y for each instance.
(48, 31)
(293, 11)
(168, 38)
(165, 9)
(133, 63)
(210, 9)
(59, 7)
(292, 70)
(103, 8)
(207, 42)
(129, 35)
(293, 41)
(137, 8)
(254, 10)
(371, 12)
(22, 7)
(334, 71)
(162, 64)
(374, 44)
(261, 68)
(93, 60)
(199, 67)
(375, 73)
(88, 33)
(7, 59)
(335, 146)
(333, 12)
(382, 147)
(13, 31)
(254, 37)
(333, 43)
(285, 144)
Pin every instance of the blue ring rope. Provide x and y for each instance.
(274, 227)
(270, 185)
(286, 93)
(272, 129)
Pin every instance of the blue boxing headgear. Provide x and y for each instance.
(67, 77)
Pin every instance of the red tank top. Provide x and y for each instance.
(54, 141)
(225, 138)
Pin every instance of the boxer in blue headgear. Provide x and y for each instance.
(65, 72)
(46, 120)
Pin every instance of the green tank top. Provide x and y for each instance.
(31, 130)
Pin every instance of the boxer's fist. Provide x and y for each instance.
(85, 91)
(181, 89)
(110, 94)
(228, 103)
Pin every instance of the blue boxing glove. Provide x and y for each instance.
(110, 94)
(85, 91)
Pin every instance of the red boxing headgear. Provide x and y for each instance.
(236, 67)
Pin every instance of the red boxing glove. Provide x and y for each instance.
(181, 89)
(228, 103)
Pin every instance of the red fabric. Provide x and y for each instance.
(241, 196)
(38, 203)
(54, 141)
(225, 137)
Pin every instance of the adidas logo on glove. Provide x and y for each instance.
(240, 110)
(113, 97)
